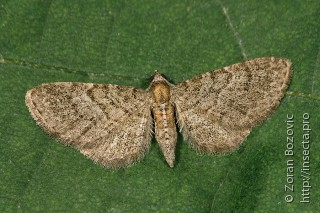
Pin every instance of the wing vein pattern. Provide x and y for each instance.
(217, 109)
(93, 119)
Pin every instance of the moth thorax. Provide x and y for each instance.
(160, 92)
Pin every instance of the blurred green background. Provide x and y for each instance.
(123, 42)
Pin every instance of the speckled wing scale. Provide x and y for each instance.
(112, 124)
(216, 110)
(95, 119)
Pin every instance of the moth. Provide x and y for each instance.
(113, 125)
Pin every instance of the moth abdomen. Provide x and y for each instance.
(163, 112)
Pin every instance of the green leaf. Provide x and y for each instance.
(122, 42)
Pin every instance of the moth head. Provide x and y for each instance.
(156, 77)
